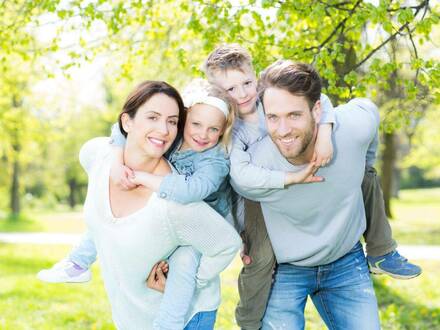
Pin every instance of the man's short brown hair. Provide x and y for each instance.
(227, 57)
(299, 79)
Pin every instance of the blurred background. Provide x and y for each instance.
(67, 66)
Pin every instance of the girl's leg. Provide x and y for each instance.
(74, 269)
(84, 254)
(381, 247)
(255, 279)
(179, 289)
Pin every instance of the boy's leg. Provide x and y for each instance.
(381, 247)
(179, 289)
(255, 279)
(378, 236)
(74, 269)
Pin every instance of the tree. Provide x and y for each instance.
(348, 41)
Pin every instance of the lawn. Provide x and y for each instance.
(26, 303)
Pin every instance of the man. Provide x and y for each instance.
(315, 228)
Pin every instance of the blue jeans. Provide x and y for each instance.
(179, 289)
(341, 291)
(84, 254)
(202, 321)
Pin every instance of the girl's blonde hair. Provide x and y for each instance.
(202, 86)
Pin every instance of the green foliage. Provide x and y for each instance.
(350, 42)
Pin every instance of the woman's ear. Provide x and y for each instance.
(127, 122)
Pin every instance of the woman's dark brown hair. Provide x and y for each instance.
(146, 90)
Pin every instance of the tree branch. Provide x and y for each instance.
(391, 37)
(335, 30)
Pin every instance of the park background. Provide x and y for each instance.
(67, 66)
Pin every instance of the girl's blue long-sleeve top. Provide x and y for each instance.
(201, 176)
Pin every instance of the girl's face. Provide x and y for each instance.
(203, 127)
(154, 127)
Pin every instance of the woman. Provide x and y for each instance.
(135, 229)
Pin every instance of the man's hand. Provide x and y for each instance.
(120, 175)
(157, 278)
(245, 258)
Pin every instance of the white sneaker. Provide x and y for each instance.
(65, 271)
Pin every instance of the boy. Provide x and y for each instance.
(230, 67)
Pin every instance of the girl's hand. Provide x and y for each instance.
(157, 278)
(306, 175)
(120, 175)
(139, 178)
(323, 145)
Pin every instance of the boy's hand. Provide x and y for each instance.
(245, 258)
(323, 145)
(306, 175)
(157, 278)
(120, 175)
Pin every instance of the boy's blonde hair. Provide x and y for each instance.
(227, 57)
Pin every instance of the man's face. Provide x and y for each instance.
(291, 124)
(241, 86)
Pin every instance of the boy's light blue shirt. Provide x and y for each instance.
(201, 175)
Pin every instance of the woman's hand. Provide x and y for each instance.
(157, 278)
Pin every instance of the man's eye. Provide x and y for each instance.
(230, 90)
(247, 83)
(196, 124)
(154, 118)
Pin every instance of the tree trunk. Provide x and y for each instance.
(388, 160)
(73, 187)
(15, 190)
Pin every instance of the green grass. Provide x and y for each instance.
(417, 217)
(45, 221)
(26, 303)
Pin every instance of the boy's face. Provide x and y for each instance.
(241, 86)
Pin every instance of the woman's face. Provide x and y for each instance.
(154, 127)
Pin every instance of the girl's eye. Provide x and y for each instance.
(196, 124)
(230, 90)
(153, 118)
(247, 83)
(214, 129)
(173, 122)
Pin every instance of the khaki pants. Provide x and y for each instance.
(255, 280)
